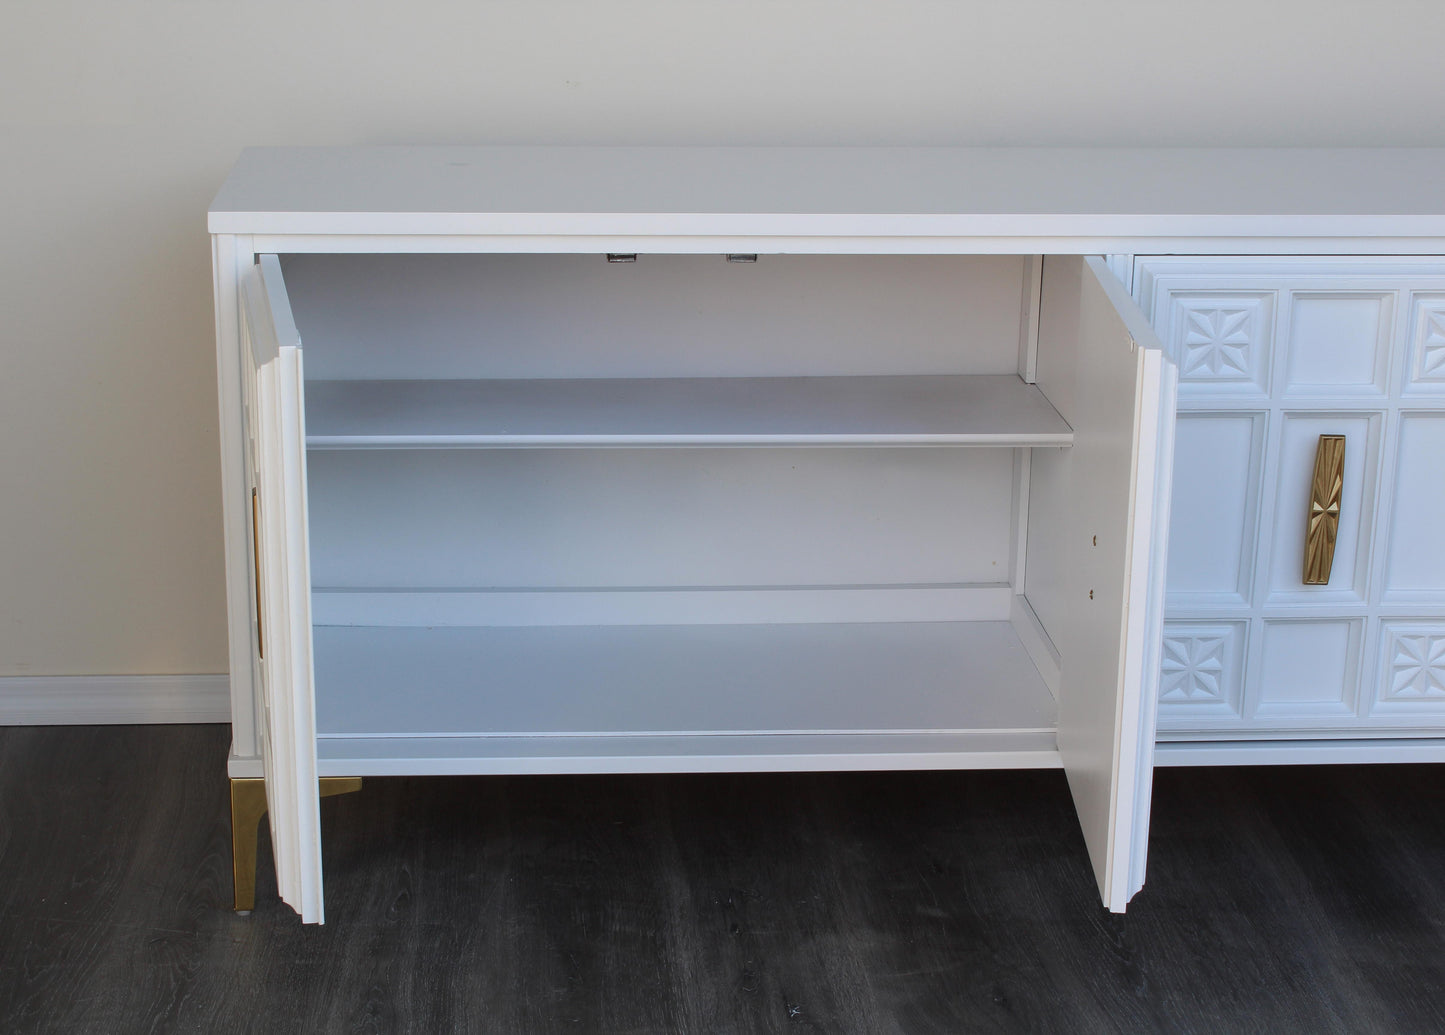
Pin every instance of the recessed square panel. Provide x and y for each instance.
(1425, 369)
(1200, 679)
(1338, 341)
(1222, 341)
(1410, 680)
(1415, 564)
(1308, 669)
(1294, 475)
(1215, 509)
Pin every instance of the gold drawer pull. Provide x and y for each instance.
(256, 557)
(1324, 519)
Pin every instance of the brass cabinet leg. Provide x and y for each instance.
(330, 786)
(248, 805)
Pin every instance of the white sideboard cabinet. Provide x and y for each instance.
(603, 460)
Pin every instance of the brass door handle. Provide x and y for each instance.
(1323, 525)
(256, 559)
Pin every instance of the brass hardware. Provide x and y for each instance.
(248, 805)
(1323, 525)
(256, 559)
(331, 786)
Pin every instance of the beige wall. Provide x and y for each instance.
(119, 120)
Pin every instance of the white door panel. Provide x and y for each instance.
(1101, 365)
(1415, 565)
(1308, 669)
(1338, 343)
(1304, 347)
(277, 433)
(1215, 509)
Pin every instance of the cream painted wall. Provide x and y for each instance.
(118, 121)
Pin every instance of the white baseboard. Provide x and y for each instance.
(113, 700)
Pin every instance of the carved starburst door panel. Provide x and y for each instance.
(1217, 342)
(1222, 343)
(1306, 578)
(1412, 669)
(1417, 665)
(1427, 366)
(1193, 668)
(1201, 667)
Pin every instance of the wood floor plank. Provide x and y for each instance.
(1278, 900)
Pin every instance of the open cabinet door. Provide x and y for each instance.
(1100, 512)
(276, 434)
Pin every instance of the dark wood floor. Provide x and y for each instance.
(1283, 900)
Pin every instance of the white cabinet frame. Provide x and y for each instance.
(766, 201)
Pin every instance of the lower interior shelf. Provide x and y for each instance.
(679, 698)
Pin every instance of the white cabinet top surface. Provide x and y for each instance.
(1094, 196)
